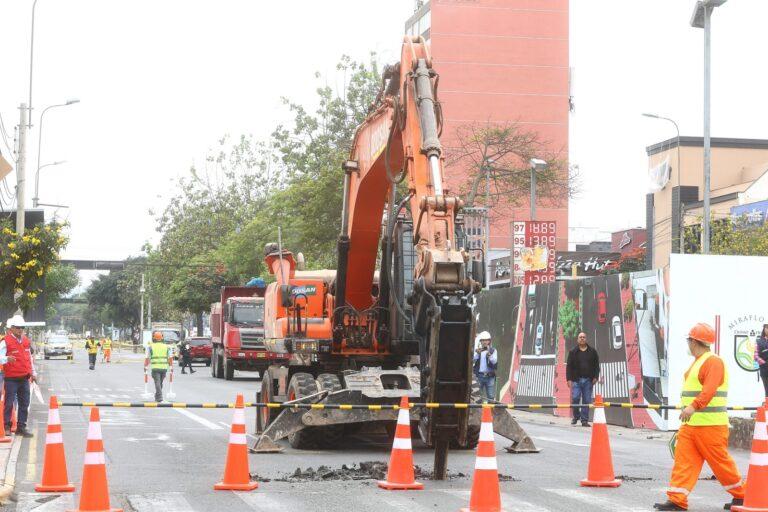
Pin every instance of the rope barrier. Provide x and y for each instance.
(378, 407)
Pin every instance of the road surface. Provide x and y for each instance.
(168, 459)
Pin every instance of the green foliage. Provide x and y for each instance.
(26, 259)
(633, 261)
(568, 318)
(729, 236)
(629, 310)
(625, 281)
(59, 281)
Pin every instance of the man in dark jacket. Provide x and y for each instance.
(582, 370)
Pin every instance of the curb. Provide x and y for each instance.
(9, 475)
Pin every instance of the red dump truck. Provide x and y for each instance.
(237, 333)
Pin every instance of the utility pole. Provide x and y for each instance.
(487, 164)
(149, 303)
(21, 168)
(141, 315)
(707, 141)
(533, 192)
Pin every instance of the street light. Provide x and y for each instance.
(31, 55)
(35, 202)
(40, 143)
(536, 165)
(677, 128)
(702, 18)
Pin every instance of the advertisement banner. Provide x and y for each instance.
(533, 252)
(723, 292)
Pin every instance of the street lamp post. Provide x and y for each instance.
(702, 18)
(536, 165)
(40, 144)
(677, 128)
(487, 168)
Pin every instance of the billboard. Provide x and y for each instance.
(533, 252)
(753, 214)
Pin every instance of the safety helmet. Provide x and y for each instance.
(157, 336)
(702, 332)
(485, 335)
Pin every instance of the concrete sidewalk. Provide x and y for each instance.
(9, 456)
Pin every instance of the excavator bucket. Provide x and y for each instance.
(505, 425)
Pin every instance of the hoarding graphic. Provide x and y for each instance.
(533, 252)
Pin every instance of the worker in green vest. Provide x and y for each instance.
(157, 353)
(92, 347)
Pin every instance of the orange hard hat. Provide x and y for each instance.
(702, 332)
(157, 336)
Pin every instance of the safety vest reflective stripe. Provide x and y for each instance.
(715, 413)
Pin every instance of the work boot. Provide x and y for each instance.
(7, 428)
(23, 432)
(584, 423)
(183, 372)
(734, 502)
(191, 370)
(574, 421)
(668, 505)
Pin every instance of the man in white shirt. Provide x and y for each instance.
(484, 364)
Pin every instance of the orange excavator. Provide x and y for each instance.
(360, 334)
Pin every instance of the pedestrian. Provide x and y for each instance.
(186, 356)
(157, 353)
(484, 365)
(92, 347)
(582, 371)
(761, 356)
(19, 368)
(106, 350)
(703, 436)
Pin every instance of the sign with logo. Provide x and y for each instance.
(306, 290)
(752, 214)
(744, 331)
(625, 240)
(533, 252)
(586, 263)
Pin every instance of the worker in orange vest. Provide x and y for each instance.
(704, 433)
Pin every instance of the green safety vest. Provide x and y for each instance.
(715, 413)
(92, 346)
(158, 353)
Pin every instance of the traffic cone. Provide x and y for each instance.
(756, 496)
(400, 475)
(600, 473)
(54, 462)
(237, 477)
(94, 493)
(485, 496)
(4, 438)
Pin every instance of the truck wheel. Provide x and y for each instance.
(212, 364)
(301, 385)
(219, 364)
(265, 415)
(229, 368)
(331, 435)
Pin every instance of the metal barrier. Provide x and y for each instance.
(377, 407)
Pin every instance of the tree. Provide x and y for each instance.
(632, 261)
(629, 310)
(497, 155)
(61, 280)
(568, 318)
(194, 288)
(728, 235)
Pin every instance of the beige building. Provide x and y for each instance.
(739, 176)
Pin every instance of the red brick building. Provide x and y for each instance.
(502, 61)
(627, 240)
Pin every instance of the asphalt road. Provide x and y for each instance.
(168, 459)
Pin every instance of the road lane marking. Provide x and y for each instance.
(163, 502)
(559, 441)
(194, 417)
(506, 499)
(595, 500)
(263, 502)
(42, 502)
(32, 455)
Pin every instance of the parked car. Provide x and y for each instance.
(200, 349)
(601, 307)
(538, 346)
(616, 336)
(57, 345)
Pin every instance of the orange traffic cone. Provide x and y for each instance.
(237, 477)
(756, 497)
(600, 473)
(4, 438)
(400, 474)
(94, 494)
(485, 496)
(54, 463)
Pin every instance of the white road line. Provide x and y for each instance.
(559, 441)
(262, 501)
(165, 502)
(194, 417)
(593, 500)
(28, 501)
(508, 500)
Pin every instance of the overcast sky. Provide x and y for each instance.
(160, 81)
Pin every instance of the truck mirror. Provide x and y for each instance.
(478, 271)
(285, 295)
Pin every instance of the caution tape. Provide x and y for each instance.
(377, 407)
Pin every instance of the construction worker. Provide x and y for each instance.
(92, 347)
(704, 433)
(157, 353)
(185, 359)
(106, 350)
(19, 371)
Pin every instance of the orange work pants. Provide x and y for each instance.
(695, 445)
(107, 354)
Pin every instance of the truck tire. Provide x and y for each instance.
(331, 435)
(219, 365)
(265, 415)
(228, 369)
(301, 385)
(212, 363)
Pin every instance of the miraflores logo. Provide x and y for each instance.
(745, 330)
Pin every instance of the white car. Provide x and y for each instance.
(57, 345)
(616, 336)
(538, 346)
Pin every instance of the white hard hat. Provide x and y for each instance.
(485, 335)
(16, 321)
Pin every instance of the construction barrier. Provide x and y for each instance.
(378, 407)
